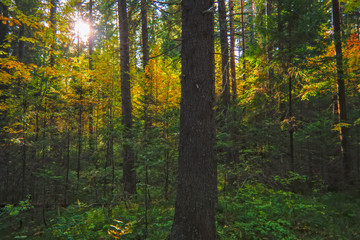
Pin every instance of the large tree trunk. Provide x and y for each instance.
(224, 54)
(344, 130)
(197, 180)
(129, 175)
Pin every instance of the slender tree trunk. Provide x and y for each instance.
(4, 153)
(167, 173)
(280, 46)
(79, 143)
(91, 68)
(67, 166)
(80, 120)
(23, 167)
(232, 51)
(21, 47)
(252, 21)
(341, 95)
(197, 175)
(144, 34)
(224, 54)
(269, 47)
(53, 9)
(243, 39)
(146, 57)
(291, 117)
(146, 199)
(111, 144)
(291, 126)
(129, 174)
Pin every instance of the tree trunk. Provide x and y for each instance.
(224, 54)
(232, 51)
(4, 153)
(341, 95)
(144, 34)
(243, 39)
(146, 57)
(67, 164)
(129, 174)
(291, 128)
(269, 47)
(197, 177)
(91, 68)
(53, 9)
(147, 97)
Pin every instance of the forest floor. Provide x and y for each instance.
(253, 211)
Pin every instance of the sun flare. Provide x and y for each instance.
(82, 29)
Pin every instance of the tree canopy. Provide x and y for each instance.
(114, 112)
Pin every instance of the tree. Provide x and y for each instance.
(224, 54)
(52, 19)
(197, 175)
(269, 47)
(129, 174)
(4, 153)
(145, 61)
(91, 68)
(341, 95)
(243, 39)
(4, 28)
(232, 51)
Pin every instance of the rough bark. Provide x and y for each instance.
(129, 175)
(197, 177)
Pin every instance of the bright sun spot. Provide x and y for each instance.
(82, 29)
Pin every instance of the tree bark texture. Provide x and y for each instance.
(129, 175)
(197, 177)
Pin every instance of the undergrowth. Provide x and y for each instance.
(253, 211)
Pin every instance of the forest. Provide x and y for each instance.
(181, 120)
